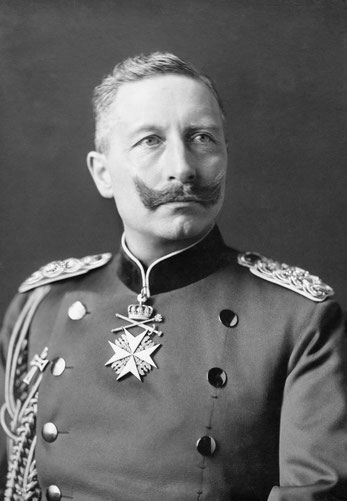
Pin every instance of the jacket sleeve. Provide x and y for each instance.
(13, 347)
(11, 316)
(313, 433)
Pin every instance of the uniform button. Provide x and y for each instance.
(217, 377)
(53, 493)
(77, 311)
(58, 366)
(228, 318)
(206, 445)
(49, 432)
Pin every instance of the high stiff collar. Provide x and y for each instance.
(175, 270)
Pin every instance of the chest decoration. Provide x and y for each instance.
(132, 351)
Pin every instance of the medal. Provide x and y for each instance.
(133, 353)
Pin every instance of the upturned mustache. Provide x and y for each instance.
(207, 195)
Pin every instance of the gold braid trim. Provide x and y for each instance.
(290, 277)
(22, 483)
(21, 408)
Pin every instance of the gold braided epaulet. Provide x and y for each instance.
(291, 277)
(60, 270)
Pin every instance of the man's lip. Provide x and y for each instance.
(183, 200)
(186, 201)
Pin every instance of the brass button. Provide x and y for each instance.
(77, 311)
(53, 493)
(217, 377)
(58, 366)
(206, 445)
(228, 318)
(49, 432)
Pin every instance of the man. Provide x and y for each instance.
(179, 369)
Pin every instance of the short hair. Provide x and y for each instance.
(134, 69)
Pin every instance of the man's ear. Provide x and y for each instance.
(97, 165)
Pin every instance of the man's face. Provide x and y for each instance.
(167, 158)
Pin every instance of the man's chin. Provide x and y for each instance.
(184, 227)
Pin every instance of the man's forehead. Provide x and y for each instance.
(162, 98)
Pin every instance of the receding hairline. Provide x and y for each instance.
(163, 76)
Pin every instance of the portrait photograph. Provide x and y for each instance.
(173, 250)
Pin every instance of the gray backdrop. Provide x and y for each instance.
(280, 67)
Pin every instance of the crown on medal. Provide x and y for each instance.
(140, 311)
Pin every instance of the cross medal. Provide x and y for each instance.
(132, 354)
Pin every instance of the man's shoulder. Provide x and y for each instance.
(284, 275)
(64, 269)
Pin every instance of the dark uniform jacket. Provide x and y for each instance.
(239, 392)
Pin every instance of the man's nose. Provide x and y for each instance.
(180, 165)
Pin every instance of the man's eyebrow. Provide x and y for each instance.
(192, 127)
(138, 129)
(204, 125)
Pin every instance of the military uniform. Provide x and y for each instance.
(232, 388)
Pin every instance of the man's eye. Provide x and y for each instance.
(202, 138)
(149, 141)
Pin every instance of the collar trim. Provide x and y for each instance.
(146, 274)
(175, 270)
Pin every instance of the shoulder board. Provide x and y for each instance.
(291, 277)
(60, 270)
